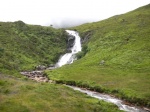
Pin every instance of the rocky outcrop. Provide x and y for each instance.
(86, 36)
(38, 76)
(70, 42)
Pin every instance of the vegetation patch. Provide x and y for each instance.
(29, 96)
(115, 59)
(23, 46)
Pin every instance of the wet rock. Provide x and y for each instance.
(69, 50)
(51, 65)
(70, 41)
(38, 76)
(148, 110)
(87, 36)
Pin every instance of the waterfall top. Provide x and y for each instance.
(77, 44)
(68, 58)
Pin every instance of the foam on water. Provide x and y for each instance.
(68, 58)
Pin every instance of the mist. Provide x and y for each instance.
(64, 13)
(68, 22)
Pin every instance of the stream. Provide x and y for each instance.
(110, 99)
(68, 58)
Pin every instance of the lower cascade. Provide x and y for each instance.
(68, 58)
(121, 105)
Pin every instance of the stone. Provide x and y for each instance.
(102, 62)
(51, 65)
(36, 75)
(40, 67)
(69, 50)
(70, 41)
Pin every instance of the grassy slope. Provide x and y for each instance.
(25, 46)
(28, 96)
(21, 48)
(122, 42)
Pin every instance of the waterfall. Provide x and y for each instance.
(68, 58)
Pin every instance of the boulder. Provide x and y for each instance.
(36, 75)
(102, 62)
(40, 67)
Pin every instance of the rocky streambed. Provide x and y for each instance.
(38, 76)
(121, 104)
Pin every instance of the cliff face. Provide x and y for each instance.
(70, 42)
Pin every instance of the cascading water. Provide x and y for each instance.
(68, 58)
(108, 98)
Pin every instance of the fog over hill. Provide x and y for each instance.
(64, 13)
(69, 22)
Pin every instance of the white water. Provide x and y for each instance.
(68, 58)
(108, 98)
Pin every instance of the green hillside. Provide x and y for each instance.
(115, 58)
(22, 46)
(20, 95)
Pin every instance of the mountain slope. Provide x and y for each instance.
(117, 57)
(18, 94)
(23, 46)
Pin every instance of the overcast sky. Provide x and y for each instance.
(62, 13)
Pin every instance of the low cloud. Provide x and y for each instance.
(64, 13)
(68, 22)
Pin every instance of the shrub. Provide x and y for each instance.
(83, 52)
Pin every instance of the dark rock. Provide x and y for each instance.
(70, 41)
(68, 51)
(86, 37)
(51, 65)
(37, 76)
(71, 37)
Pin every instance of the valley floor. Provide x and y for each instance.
(21, 94)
